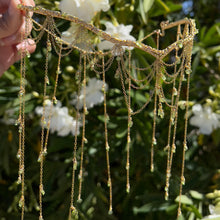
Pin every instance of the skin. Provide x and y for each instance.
(12, 25)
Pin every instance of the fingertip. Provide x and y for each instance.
(24, 47)
(13, 7)
(28, 44)
(26, 3)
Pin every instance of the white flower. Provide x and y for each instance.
(213, 217)
(78, 36)
(121, 32)
(84, 9)
(69, 126)
(205, 119)
(61, 122)
(71, 34)
(215, 213)
(94, 95)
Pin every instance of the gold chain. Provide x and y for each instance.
(158, 73)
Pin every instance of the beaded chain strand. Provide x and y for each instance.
(156, 75)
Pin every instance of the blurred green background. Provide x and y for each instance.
(146, 199)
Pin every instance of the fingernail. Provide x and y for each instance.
(21, 46)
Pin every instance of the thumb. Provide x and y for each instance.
(11, 17)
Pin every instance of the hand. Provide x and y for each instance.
(12, 24)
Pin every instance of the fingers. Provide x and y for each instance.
(16, 37)
(11, 54)
(27, 45)
(28, 3)
(12, 25)
(11, 19)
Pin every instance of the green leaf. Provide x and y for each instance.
(101, 118)
(196, 195)
(212, 50)
(202, 32)
(121, 132)
(141, 10)
(12, 89)
(141, 35)
(161, 8)
(139, 97)
(195, 63)
(212, 36)
(181, 217)
(172, 208)
(174, 7)
(184, 200)
(163, 5)
(150, 207)
(191, 216)
(194, 210)
(142, 209)
(147, 5)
